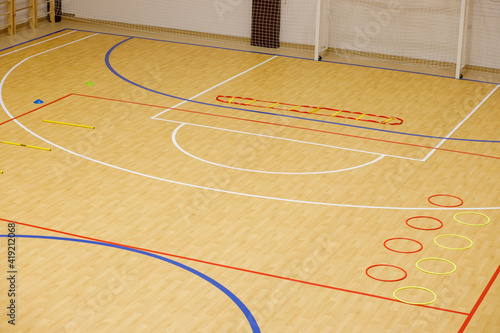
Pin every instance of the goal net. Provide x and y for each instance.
(482, 45)
(423, 32)
(215, 20)
(455, 36)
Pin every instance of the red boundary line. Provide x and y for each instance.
(256, 121)
(231, 267)
(57, 100)
(295, 127)
(479, 301)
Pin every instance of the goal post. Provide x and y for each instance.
(455, 37)
(419, 32)
(452, 37)
(321, 31)
(462, 34)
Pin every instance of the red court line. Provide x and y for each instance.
(232, 267)
(57, 100)
(255, 121)
(294, 127)
(480, 300)
(122, 101)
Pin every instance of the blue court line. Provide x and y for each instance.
(110, 67)
(236, 300)
(29, 41)
(268, 113)
(257, 52)
(286, 56)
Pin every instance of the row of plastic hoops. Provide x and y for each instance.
(420, 247)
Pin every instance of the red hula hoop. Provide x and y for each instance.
(444, 195)
(413, 240)
(427, 217)
(384, 280)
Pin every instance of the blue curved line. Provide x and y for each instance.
(236, 300)
(110, 67)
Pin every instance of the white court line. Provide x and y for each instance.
(460, 124)
(3, 55)
(248, 70)
(292, 140)
(223, 129)
(248, 195)
(174, 133)
(26, 59)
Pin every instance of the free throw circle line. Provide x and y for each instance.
(174, 140)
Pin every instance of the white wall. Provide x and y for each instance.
(424, 29)
(226, 17)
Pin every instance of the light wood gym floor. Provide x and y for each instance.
(181, 213)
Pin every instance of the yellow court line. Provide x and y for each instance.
(69, 124)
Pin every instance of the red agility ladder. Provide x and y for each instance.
(312, 110)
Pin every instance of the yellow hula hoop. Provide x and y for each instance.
(476, 225)
(415, 303)
(435, 273)
(454, 248)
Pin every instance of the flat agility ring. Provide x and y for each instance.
(414, 287)
(454, 248)
(435, 273)
(386, 265)
(445, 195)
(388, 248)
(427, 217)
(476, 225)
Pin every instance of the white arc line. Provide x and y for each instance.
(3, 55)
(26, 59)
(234, 77)
(460, 124)
(174, 140)
(199, 186)
(286, 139)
